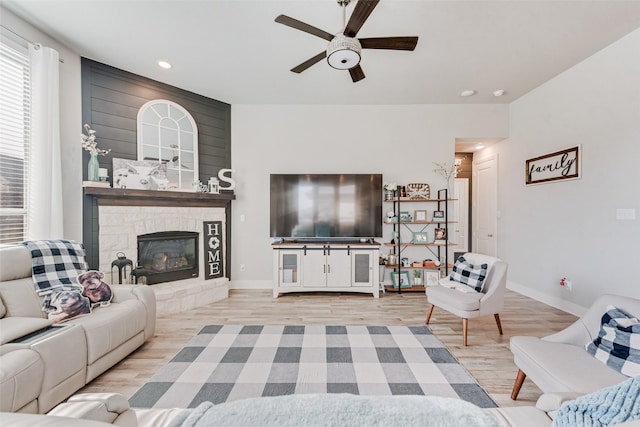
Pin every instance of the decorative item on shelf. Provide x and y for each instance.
(90, 144)
(214, 185)
(199, 187)
(103, 184)
(420, 215)
(429, 263)
(416, 264)
(417, 277)
(395, 236)
(418, 191)
(446, 171)
(391, 217)
(93, 168)
(401, 279)
(431, 278)
(420, 238)
(392, 260)
(140, 175)
(405, 216)
(223, 178)
(103, 174)
(402, 191)
(438, 215)
(440, 236)
(390, 191)
(405, 262)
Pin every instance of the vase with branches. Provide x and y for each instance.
(90, 144)
(447, 172)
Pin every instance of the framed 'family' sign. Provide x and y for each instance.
(563, 164)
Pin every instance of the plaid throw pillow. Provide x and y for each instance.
(618, 343)
(55, 264)
(469, 274)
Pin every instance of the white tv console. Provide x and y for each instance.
(326, 267)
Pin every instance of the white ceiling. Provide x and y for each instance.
(233, 51)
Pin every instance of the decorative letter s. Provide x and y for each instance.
(223, 178)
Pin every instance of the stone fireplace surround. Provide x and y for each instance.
(121, 219)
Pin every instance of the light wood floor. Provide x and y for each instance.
(487, 357)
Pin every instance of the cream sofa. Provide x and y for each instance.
(560, 363)
(42, 364)
(108, 409)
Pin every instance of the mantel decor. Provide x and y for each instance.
(557, 166)
(129, 197)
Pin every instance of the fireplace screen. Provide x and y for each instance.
(168, 256)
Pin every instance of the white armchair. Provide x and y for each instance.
(560, 363)
(468, 305)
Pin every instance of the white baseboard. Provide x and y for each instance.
(251, 284)
(551, 300)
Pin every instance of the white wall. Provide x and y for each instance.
(70, 121)
(401, 142)
(568, 229)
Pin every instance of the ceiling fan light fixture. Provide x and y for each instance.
(343, 52)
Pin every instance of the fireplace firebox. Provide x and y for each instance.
(168, 255)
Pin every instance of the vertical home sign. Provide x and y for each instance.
(213, 245)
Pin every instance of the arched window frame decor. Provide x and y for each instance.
(160, 120)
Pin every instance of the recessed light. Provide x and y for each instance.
(498, 92)
(164, 64)
(468, 92)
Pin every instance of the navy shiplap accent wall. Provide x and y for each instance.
(111, 99)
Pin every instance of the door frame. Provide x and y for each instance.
(476, 201)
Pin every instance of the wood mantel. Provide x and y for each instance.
(128, 197)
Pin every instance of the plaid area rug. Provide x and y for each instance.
(231, 362)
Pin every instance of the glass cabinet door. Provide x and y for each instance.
(362, 268)
(290, 268)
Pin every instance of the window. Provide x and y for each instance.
(14, 139)
(167, 133)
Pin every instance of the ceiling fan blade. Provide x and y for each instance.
(302, 26)
(309, 62)
(360, 14)
(356, 73)
(393, 43)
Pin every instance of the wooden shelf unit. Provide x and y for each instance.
(442, 205)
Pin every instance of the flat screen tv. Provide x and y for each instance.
(326, 207)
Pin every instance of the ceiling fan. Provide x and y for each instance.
(343, 51)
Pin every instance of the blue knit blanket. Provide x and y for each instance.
(610, 406)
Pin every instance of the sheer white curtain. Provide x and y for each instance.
(45, 183)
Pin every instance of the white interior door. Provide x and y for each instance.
(460, 216)
(485, 205)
